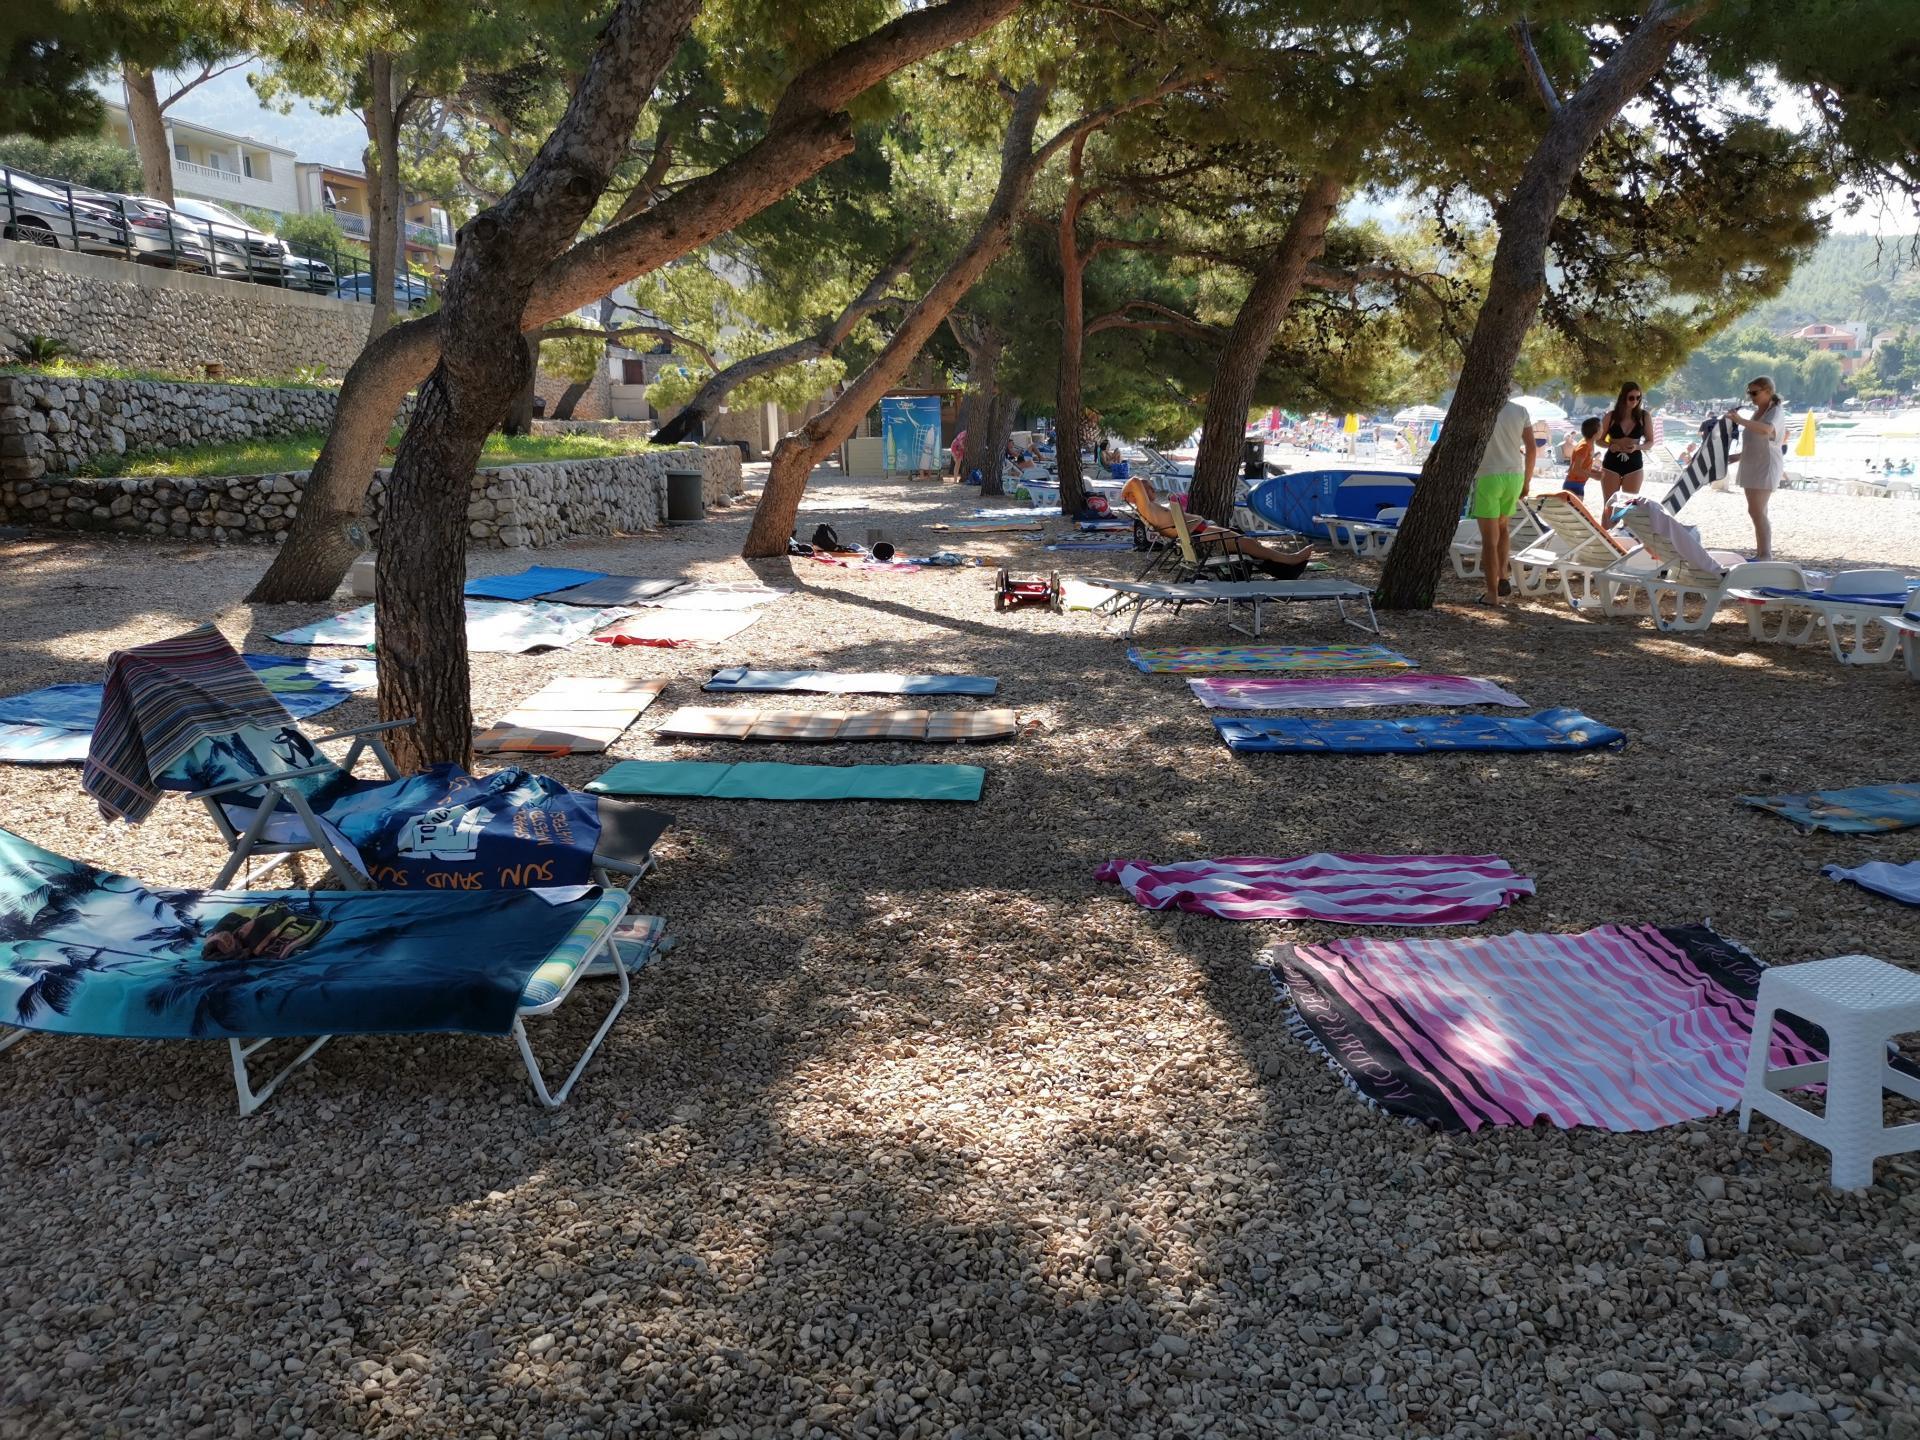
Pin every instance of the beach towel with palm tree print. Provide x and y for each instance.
(84, 951)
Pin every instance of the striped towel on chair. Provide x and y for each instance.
(158, 702)
(1709, 464)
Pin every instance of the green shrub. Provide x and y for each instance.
(96, 162)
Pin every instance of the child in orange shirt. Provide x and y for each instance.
(1580, 461)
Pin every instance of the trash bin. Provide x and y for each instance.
(686, 498)
(1253, 460)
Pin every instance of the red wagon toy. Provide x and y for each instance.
(1011, 594)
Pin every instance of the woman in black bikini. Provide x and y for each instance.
(1624, 434)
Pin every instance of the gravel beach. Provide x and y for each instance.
(919, 1131)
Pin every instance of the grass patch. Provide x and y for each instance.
(296, 452)
(312, 379)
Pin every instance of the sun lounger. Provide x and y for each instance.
(1852, 609)
(1138, 595)
(86, 952)
(1369, 539)
(1522, 531)
(1857, 611)
(1907, 626)
(1670, 571)
(1770, 618)
(185, 715)
(1575, 551)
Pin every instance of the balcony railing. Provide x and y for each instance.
(425, 234)
(228, 182)
(350, 223)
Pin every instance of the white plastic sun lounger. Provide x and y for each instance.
(1575, 551)
(1137, 595)
(1369, 539)
(1907, 626)
(1522, 531)
(1859, 632)
(1670, 569)
(1856, 632)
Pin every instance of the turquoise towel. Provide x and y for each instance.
(760, 780)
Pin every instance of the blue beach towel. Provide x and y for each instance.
(848, 682)
(525, 585)
(1883, 877)
(1892, 599)
(1549, 730)
(1861, 810)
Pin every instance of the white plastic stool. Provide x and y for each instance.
(1862, 1003)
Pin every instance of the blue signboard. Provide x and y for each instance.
(910, 432)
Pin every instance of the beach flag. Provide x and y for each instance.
(1805, 447)
(1352, 427)
(1709, 464)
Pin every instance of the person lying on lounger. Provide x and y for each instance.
(1284, 564)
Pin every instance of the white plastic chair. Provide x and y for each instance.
(1907, 626)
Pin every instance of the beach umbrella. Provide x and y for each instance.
(1805, 447)
(1538, 409)
(1352, 425)
(1413, 414)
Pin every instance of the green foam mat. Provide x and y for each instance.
(753, 780)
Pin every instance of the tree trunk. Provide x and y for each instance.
(519, 419)
(698, 412)
(422, 613)
(1515, 287)
(796, 454)
(149, 133)
(384, 236)
(1216, 469)
(1004, 410)
(1073, 335)
(808, 131)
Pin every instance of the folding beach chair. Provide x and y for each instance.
(186, 715)
(1576, 549)
(1137, 596)
(87, 952)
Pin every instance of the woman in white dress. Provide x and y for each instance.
(1763, 463)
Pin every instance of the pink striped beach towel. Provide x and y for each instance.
(1345, 889)
(1348, 692)
(1619, 1028)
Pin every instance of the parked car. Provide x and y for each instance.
(38, 212)
(409, 292)
(159, 235)
(240, 251)
(303, 273)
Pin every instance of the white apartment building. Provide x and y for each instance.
(231, 170)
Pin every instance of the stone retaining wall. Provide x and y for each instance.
(609, 429)
(50, 425)
(511, 505)
(116, 312)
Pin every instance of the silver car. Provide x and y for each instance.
(240, 252)
(159, 235)
(39, 212)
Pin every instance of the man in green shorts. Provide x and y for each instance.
(1505, 474)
